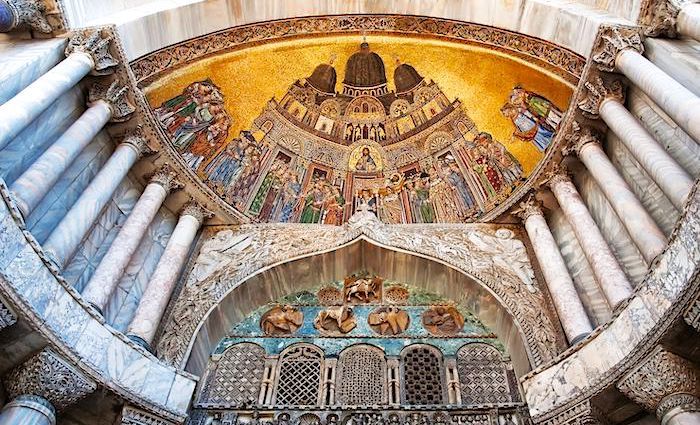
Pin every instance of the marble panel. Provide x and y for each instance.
(158, 382)
(181, 393)
(24, 272)
(66, 318)
(119, 357)
(11, 239)
(23, 61)
(678, 58)
(134, 373)
(93, 344)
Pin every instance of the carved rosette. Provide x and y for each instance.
(613, 40)
(196, 210)
(529, 207)
(25, 14)
(91, 43)
(133, 416)
(49, 376)
(166, 176)
(597, 91)
(658, 18)
(661, 382)
(116, 96)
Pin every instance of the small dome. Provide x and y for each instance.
(364, 69)
(323, 78)
(406, 78)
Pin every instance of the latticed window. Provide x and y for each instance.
(422, 375)
(361, 376)
(235, 378)
(299, 376)
(482, 375)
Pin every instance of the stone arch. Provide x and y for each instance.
(223, 384)
(361, 376)
(299, 371)
(422, 376)
(483, 377)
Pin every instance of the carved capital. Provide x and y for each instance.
(7, 316)
(597, 91)
(558, 174)
(658, 18)
(91, 43)
(117, 96)
(578, 137)
(529, 207)
(611, 41)
(166, 176)
(133, 416)
(679, 402)
(659, 377)
(196, 210)
(49, 376)
(24, 14)
(137, 140)
(692, 315)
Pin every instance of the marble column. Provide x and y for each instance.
(67, 235)
(620, 49)
(31, 187)
(688, 23)
(573, 316)
(39, 387)
(155, 298)
(110, 270)
(23, 15)
(667, 18)
(667, 384)
(646, 234)
(606, 269)
(605, 99)
(85, 52)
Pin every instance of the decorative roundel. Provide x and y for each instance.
(438, 140)
(330, 108)
(281, 320)
(399, 108)
(443, 320)
(291, 143)
(388, 321)
(330, 295)
(396, 295)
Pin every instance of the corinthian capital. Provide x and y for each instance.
(137, 140)
(49, 376)
(661, 382)
(611, 41)
(658, 18)
(91, 43)
(116, 95)
(529, 207)
(196, 210)
(578, 137)
(557, 174)
(598, 90)
(166, 176)
(19, 14)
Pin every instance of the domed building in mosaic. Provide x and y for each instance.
(226, 212)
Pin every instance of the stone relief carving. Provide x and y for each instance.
(281, 320)
(443, 320)
(335, 320)
(396, 295)
(597, 90)
(692, 315)
(612, 41)
(91, 43)
(30, 14)
(362, 290)
(7, 317)
(388, 320)
(134, 416)
(658, 17)
(116, 95)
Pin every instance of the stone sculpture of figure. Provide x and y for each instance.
(283, 419)
(338, 319)
(281, 320)
(443, 320)
(388, 321)
(362, 290)
(508, 253)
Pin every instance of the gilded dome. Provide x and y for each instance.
(364, 69)
(323, 78)
(406, 78)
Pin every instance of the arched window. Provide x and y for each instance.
(235, 378)
(482, 375)
(299, 372)
(422, 371)
(361, 376)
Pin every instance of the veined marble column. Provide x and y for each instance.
(23, 14)
(621, 49)
(606, 269)
(667, 384)
(157, 294)
(85, 53)
(605, 99)
(573, 316)
(40, 386)
(669, 19)
(105, 279)
(31, 187)
(644, 231)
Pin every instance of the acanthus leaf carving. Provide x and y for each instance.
(93, 44)
(612, 41)
(658, 18)
(30, 14)
(597, 91)
(116, 96)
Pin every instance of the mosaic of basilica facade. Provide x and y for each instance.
(411, 155)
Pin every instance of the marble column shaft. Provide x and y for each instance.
(162, 283)
(663, 169)
(573, 316)
(28, 410)
(674, 99)
(110, 270)
(610, 277)
(688, 23)
(27, 105)
(31, 187)
(66, 237)
(645, 233)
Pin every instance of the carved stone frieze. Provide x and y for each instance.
(597, 91)
(612, 41)
(660, 376)
(7, 316)
(49, 376)
(133, 416)
(27, 14)
(581, 414)
(93, 44)
(692, 315)
(117, 96)
(658, 18)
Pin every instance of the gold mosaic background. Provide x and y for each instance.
(480, 78)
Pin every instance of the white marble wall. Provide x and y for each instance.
(22, 61)
(678, 58)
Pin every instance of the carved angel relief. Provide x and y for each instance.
(362, 290)
(281, 320)
(335, 320)
(388, 321)
(443, 320)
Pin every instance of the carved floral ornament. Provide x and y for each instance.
(494, 257)
(612, 41)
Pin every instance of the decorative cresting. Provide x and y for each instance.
(423, 376)
(612, 41)
(299, 376)
(483, 377)
(228, 257)
(49, 376)
(116, 96)
(96, 46)
(235, 378)
(658, 18)
(361, 376)
(664, 383)
(23, 14)
(133, 416)
(598, 90)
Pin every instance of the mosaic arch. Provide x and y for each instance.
(416, 130)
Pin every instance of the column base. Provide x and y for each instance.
(578, 338)
(142, 342)
(28, 409)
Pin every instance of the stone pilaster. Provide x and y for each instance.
(612, 41)
(92, 44)
(664, 383)
(133, 416)
(23, 14)
(116, 96)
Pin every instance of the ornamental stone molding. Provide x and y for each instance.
(661, 382)
(7, 316)
(97, 47)
(25, 14)
(598, 90)
(116, 96)
(612, 41)
(658, 18)
(692, 315)
(133, 416)
(166, 176)
(47, 375)
(585, 413)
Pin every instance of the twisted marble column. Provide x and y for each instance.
(155, 298)
(85, 52)
(67, 235)
(644, 231)
(31, 187)
(106, 277)
(606, 269)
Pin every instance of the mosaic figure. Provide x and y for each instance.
(535, 118)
